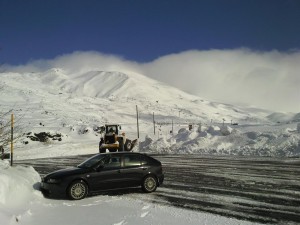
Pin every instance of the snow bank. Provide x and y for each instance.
(18, 187)
(225, 140)
(226, 130)
(17, 184)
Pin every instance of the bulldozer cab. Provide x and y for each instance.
(115, 140)
(112, 129)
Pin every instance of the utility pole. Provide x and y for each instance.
(137, 122)
(12, 140)
(153, 123)
(172, 129)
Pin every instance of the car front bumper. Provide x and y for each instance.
(53, 190)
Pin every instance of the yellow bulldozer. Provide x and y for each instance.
(113, 140)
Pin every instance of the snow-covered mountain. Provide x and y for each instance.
(73, 104)
(125, 91)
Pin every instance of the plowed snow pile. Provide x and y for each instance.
(224, 140)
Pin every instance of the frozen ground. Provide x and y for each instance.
(257, 189)
(22, 203)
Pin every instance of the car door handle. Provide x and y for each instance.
(145, 168)
(118, 171)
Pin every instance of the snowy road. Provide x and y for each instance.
(263, 190)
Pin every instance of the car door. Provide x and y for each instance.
(132, 170)
(108, 175)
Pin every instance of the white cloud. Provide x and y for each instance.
(268, 80)
(78, 62)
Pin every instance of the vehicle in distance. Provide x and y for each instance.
(113, 140)
(107, 171)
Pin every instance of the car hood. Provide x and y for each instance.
(66, 172)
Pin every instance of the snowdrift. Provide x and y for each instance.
(225, 140)
(17, 184)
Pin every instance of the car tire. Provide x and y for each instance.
(77, 190)
(149, 184)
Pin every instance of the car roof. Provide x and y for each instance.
(122, 153)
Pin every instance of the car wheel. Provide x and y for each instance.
(149, 184)
(77, 190)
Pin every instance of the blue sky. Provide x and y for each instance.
(143, 30)
(232, 51)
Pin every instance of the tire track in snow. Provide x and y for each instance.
(263, 190)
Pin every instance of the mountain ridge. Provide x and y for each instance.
(120, 87)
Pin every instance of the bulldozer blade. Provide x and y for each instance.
(129, 145)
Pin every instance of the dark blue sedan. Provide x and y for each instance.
(105, 172)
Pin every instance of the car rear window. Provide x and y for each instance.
(147, 160)
(131, 160)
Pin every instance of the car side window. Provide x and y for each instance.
(112, 162)
(144, 160)
(132, 160)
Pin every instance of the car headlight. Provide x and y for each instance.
(52, 181)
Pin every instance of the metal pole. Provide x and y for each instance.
(153, 123)
(172, 129)
(12, 140)
(137, 122)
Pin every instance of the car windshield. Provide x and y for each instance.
(92, 161)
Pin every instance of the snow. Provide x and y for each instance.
(272, 141)
(74, 104)
(22, 203)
